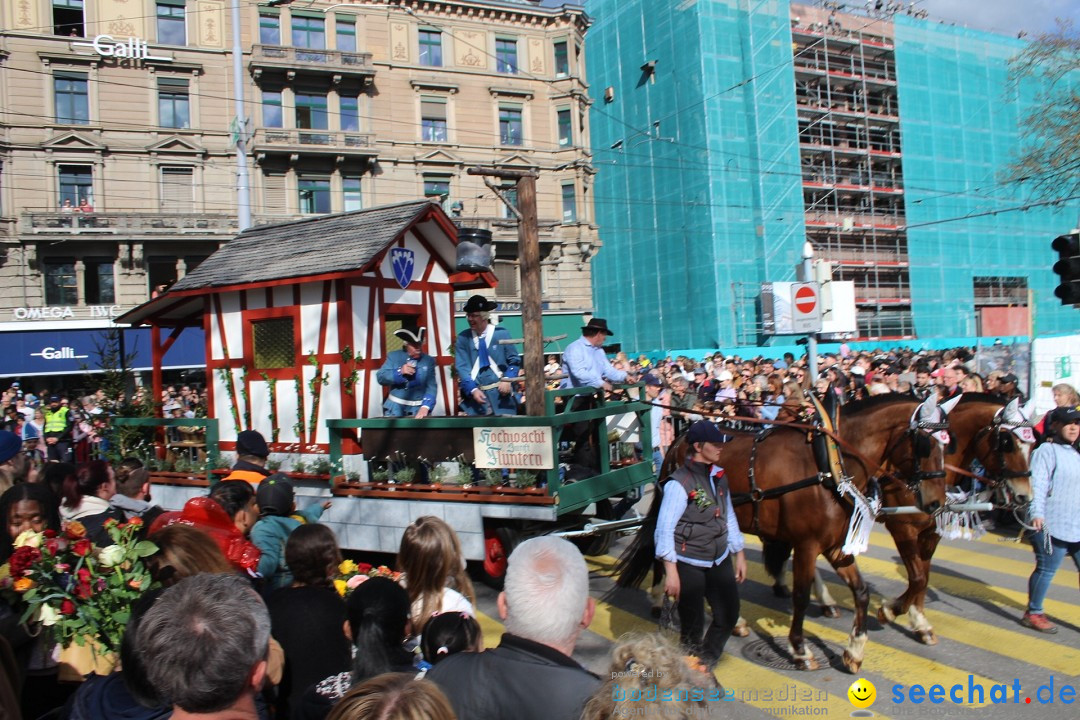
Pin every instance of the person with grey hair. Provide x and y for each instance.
(204, 645)
(545, 606)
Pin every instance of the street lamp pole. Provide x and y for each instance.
(243, 183)
(811, 339)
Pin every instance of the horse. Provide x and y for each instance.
(982, 428)
(809, 513)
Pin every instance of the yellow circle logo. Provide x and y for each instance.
(862, 693)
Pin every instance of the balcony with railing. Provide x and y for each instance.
(327, 142)
(283, 59)
(89, 226)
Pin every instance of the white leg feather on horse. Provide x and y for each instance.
(821, 591)
(922, 626)
(856, 647)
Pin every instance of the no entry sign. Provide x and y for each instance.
(805, 307)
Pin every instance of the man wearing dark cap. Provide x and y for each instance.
(697, 535)
(1007, 388)
(411, 376)
(251, 454)
(57, 431)
(485, 365)
(584, 359)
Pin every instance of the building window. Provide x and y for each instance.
(510, 193)
(171, 28)
(350, 191)
(433, 120)
(72, 98)
(510, 125)
(311, 112)
(269, 29)
(566, 128)
(76, 184)
(437, 187)
(271, 109)
(506, 272)
(562, 59)
(569, 204)
(68, 18)
(431, 48)
(314, 195)
(177, 189)
(160, 274)
(346, 35)
(273, 343)
(174, 110)
(506, 60)
(60, 285)
(100, 281)
(308, 33)
(350, 113)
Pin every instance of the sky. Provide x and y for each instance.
(1006, 17)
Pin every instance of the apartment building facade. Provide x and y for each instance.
(118, 126)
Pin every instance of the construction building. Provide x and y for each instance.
(126, 108)
(737, 131)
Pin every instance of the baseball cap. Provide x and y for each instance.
(1007, 378)
(700, 370)
(705, 431)
(724, 375)
(251, 442)
(10, 445)
(651, 379)
(275, 495)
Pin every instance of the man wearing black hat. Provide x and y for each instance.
(698, 539)
(251, 454)
(585, 361)
(484, 364)
(1007, 388)
(410, 375)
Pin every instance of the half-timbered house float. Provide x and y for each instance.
(298, 316)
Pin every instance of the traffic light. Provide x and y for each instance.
(1068, 267)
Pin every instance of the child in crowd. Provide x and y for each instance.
(434, 566)
(448, 633)
(277, 503)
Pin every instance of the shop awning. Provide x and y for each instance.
(65, 352)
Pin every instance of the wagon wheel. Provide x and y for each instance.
(597, 544)
(499, 542)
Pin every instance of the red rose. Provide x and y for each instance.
(22, 559)
(52, 545)
(135, 522)
(82, 547)
(67, 607)
(50, 533)
(111, 523)
(84, 575)
(82, 591)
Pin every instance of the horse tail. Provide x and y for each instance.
(636, 561)
(774, 554)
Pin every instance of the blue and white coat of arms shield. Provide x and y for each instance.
(403, 260)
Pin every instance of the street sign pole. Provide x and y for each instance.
(811, 339)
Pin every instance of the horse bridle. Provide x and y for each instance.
(920, 438)
(998, 446)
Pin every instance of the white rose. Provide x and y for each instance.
(29, 538)
(47, 614)
(111, 555)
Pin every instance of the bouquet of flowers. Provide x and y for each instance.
(77, 591)
(351, 574)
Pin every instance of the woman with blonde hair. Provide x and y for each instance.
(394, 696)
(647, 669)
(183, 551)
(434, 570)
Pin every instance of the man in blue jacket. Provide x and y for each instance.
(484, 365)
(410, 375)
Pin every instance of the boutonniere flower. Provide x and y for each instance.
(699, 497)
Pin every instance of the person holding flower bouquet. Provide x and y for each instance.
(698, 539)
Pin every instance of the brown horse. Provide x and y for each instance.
(981, 428)
(779, 495)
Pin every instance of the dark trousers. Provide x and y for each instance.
(717, 585)
(59, 451)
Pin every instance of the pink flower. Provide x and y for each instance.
(355, 580)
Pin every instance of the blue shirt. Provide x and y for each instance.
(1055, 490)
(672, 506)
(588, 366)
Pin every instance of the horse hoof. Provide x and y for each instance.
(830, 611)
(808, 664)
(741, 631)
(781, 590)
(927, 637)
(885, 615)
(852, 664)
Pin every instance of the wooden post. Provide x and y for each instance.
(532, 322)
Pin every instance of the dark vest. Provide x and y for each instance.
(701, 534)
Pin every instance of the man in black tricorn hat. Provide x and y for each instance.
(410, 374)
(485, 365)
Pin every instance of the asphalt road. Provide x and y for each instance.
(978, 592)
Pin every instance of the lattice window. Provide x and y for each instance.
(273, 343)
